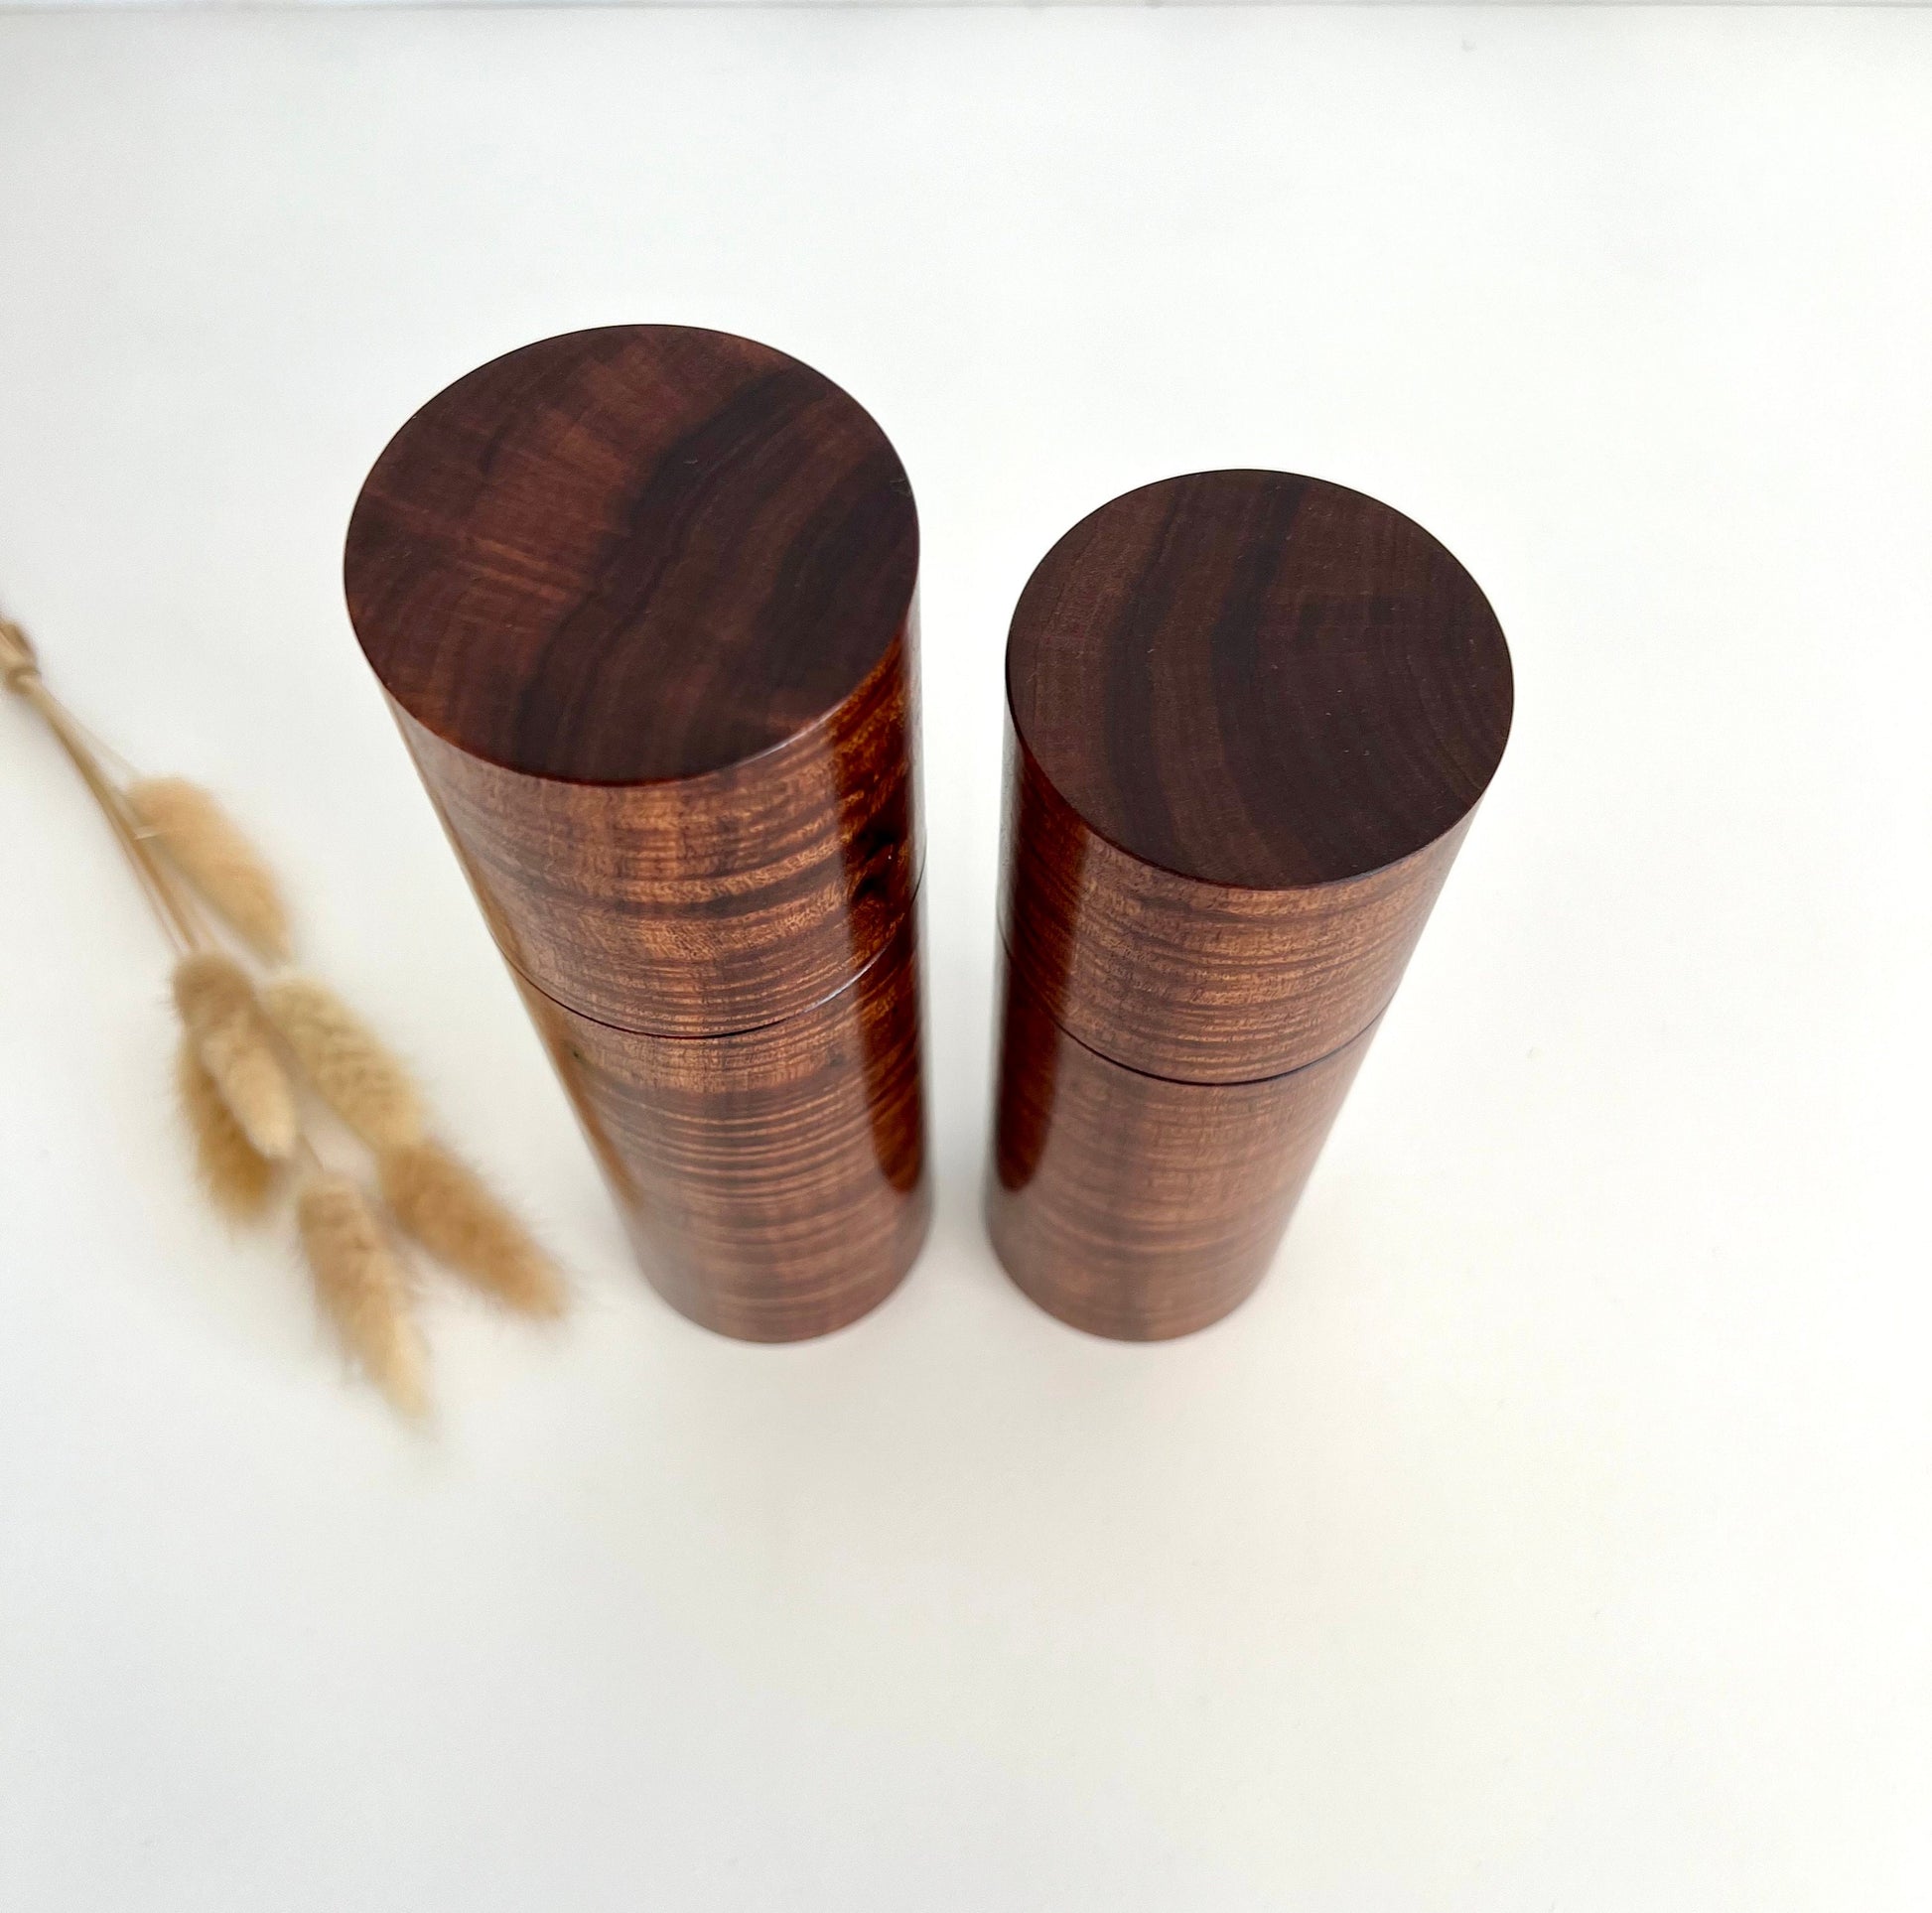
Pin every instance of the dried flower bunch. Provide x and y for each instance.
(258, 1039)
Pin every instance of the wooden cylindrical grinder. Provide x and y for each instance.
(1250, 716)
(643, 603)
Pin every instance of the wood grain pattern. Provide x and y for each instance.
(707, 904)
(644, 604)
(1259, 680)
(1136, 1207)
(773, 1181)
(1251, 715)
(643, 600)
(1205, 982)
(634, 553)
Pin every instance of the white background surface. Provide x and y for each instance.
(1551, 1532)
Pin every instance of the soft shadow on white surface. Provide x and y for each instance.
(1550, 1529)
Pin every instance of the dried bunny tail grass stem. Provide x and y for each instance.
(353, 1071)
(209, 850)
(362, 1287)
(231, 1037)
(448, 1208)
(18, 658)
(240, 1179)
(20, 672)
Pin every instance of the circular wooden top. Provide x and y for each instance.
(631, 554)
(1259, 680)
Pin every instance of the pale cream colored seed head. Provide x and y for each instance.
(240, 1179)
(230, 1036)
(208, 847)
(448, 1209)
(353, 1071)
(361, 1286)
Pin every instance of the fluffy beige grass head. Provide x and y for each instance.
(448, 1208)
(207, 846)
(231, 1037)
(354, 1072)
(362, 1287)
(240, 1179)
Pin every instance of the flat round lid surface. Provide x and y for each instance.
(636, 553)
(1259, 680)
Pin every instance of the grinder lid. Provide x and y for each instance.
(1258, 680)
(631, 554)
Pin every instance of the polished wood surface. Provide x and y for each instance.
(1254, 679)
(1201, 982)
(634, 553)
(705, 904)
(773, 1181)
(643, 598)
(1250, 717)
(643, 603)
(1136, 1207)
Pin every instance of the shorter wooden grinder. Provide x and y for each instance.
(1250, 717)
(643, 600)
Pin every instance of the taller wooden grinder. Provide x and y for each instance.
(642, 600)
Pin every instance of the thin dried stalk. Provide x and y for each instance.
(240, 1179)
(353, 1071)
(208, 848)
(450, 1210)
(20, 673)
(362, 1287)
(231, 1037)
(18, 658)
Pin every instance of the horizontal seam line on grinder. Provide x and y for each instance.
(1194, 1082)
(721, 1035)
